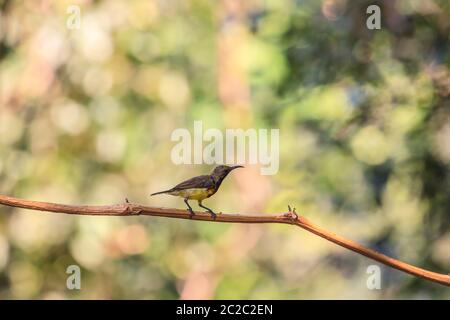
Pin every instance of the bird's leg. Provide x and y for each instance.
(213, 214)
(189, 208)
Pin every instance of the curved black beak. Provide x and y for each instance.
(235, 167)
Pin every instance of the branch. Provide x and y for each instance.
(130, 209)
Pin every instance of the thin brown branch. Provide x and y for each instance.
(130, 209)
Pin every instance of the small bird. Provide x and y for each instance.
(201, 187)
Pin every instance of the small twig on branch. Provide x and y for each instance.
(291, 217)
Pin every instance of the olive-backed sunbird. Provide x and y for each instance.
(201, 187)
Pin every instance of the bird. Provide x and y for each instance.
(201, 187)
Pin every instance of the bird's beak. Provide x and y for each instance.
(235, 167)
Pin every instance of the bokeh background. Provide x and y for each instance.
(86, 117)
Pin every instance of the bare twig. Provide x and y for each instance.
(291, 217)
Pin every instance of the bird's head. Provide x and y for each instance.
(222, 171)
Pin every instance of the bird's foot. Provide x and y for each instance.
(213, 214)
(292, 214)
(191, 213)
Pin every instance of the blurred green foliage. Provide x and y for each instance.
(86, 116)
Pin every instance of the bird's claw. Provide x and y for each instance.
(292, 214)
(191, 213)
(213, 214)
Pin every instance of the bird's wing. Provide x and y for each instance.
(204, 181)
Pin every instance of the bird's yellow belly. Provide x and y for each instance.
(193, 194)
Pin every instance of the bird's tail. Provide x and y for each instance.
(160, 192)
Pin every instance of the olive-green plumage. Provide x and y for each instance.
(200, 188)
